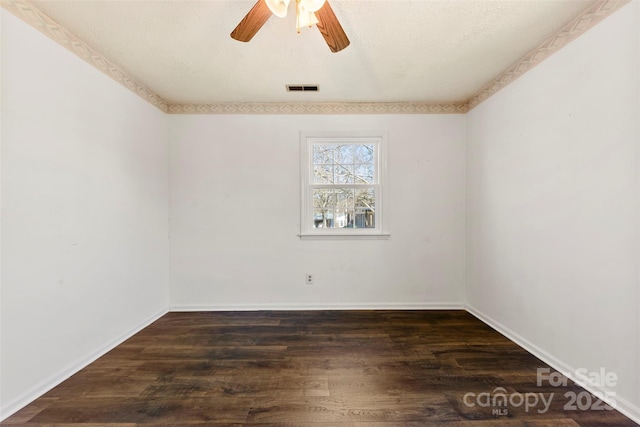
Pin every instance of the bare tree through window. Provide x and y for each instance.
(344, 179)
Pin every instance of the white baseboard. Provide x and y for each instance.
(323, 306)
(621, 404)
(15, 405)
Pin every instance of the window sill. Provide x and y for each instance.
(344, 236)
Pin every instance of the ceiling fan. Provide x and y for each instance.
(308, 13)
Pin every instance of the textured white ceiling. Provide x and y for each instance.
(401, 50)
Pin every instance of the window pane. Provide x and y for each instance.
(344, 174)
(323, 153)
(344, 198)
(323, 207)
(363, 174)
(363, 153)
(343, 213)
(323, 174)
(365, 203)
(343, 164)
(365, 198)
(344, 208)
(344, 153)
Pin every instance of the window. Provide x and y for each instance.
(343, 177)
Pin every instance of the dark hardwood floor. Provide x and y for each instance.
(314, 368)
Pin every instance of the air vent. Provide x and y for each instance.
(302, 88)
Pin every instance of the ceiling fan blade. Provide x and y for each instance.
(331, 29)
(252, 22)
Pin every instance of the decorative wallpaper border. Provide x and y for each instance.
(35, 17)
(319, 108)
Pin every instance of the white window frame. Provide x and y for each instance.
(379, 140)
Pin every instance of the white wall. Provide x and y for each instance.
(553, 185)
(235, 213)
(85, 213)
(552, 182)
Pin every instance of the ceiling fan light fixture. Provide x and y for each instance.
(305, 19)
(278, 7)
(324, 18)
(305, 16)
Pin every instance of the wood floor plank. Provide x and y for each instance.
(368, 368)
(353, 409)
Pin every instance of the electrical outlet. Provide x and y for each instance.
(309, 279)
